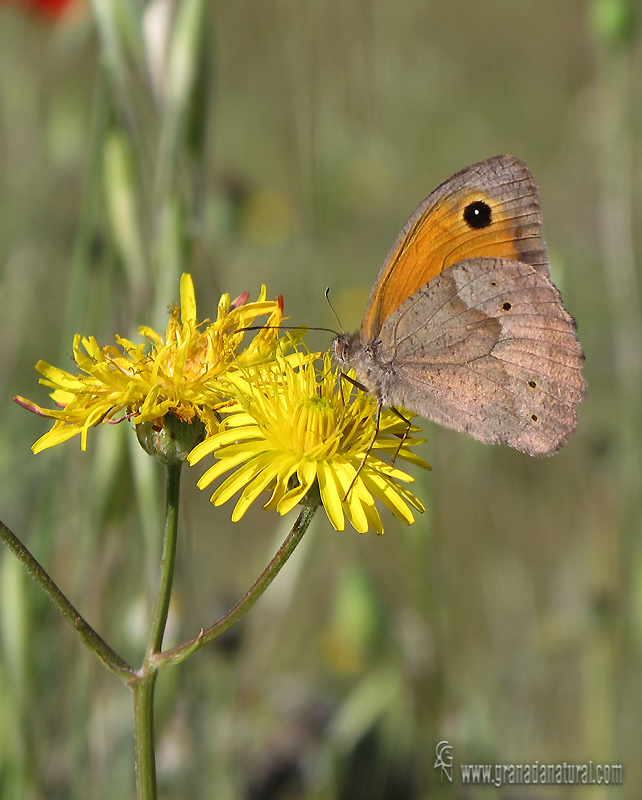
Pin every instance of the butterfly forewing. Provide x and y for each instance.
(488, 209)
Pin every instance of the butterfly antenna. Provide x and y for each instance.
(336, 316)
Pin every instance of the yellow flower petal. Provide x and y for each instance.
(222, 439)
(236, 481)
(231, 461)
(58, 377)
(306, 473)
(188, 300)
(374, 519)
(332, 493)
(286, 465)
(388, 494)
(254, 488)
(55, 436)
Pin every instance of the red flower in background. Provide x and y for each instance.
(54, 7)
(49, 8)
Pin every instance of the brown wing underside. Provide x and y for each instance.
(436, 236)
(488, 348)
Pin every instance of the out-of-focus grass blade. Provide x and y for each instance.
(120, 29)
(123, 209)
(180, 78)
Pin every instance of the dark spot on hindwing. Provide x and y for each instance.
(507, 306)
(532, 384)
(478, 215)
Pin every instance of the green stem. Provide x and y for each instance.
(88, 635)
(143, 688)
(178, 654)
(159, 617)
(144, 736)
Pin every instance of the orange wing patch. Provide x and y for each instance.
(438, 236)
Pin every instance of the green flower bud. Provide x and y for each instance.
(170, 438)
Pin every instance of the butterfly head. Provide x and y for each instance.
(351, 354)
(343, 348)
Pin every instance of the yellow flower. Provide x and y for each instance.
(292, 429)
(180, 373)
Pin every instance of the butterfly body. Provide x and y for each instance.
(464, 325)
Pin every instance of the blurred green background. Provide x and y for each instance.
(256, 142)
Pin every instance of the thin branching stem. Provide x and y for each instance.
(177, 654)
(88, 635)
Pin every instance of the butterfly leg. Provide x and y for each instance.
(369, 449)
(405, 434)
(371, 445)
(353, 382)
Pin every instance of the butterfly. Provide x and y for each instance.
(464, 325)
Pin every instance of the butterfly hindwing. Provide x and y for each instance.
(487, 347)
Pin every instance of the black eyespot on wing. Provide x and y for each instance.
(478, 215)
(534, 417)
(532, 384)
(507, 306)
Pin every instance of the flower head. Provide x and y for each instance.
(292, 428)
(180, 373)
